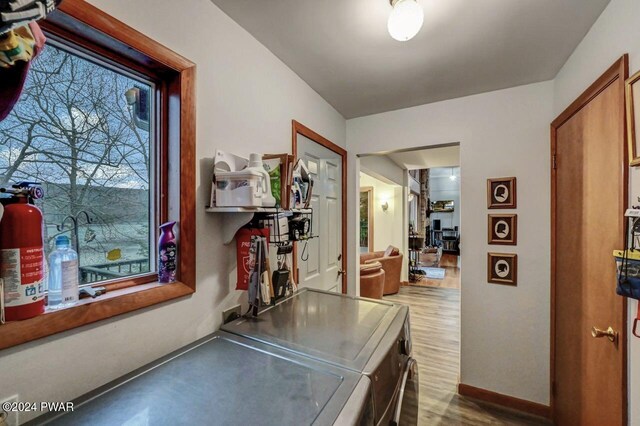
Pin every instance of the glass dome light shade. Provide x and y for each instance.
(405, 20)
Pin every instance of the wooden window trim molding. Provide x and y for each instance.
(114, 40)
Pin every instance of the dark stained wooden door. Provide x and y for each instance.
(589, 195)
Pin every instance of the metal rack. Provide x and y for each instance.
(236, 217)
(285, 227)
(416, 243)
(299, 226)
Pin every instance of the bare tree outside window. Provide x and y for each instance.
(76, 132)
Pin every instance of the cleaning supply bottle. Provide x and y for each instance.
(168, 254)
(63, 275)
(255, 163)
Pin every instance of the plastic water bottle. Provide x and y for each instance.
(63, 275)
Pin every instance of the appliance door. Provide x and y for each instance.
(407, 406)
(358, 411)
(341, 330)
(227, 380)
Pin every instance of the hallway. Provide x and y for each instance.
(435, 329)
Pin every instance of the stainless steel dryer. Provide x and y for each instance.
(227, 380)
(368, 336)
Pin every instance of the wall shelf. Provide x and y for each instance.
(236, 217)
(269, 210)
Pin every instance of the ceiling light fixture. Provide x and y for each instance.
(405, 19)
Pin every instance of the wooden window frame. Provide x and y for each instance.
(92, 29)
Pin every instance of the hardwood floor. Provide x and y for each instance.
(435, 331)
(451, 279)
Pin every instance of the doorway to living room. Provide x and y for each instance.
(410, 238)
(409, 220)
(434, 212)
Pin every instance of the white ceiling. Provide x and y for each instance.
(427, 158)
(342, 49)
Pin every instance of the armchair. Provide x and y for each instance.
(371, 280)
(391, 261)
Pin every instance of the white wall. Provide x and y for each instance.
(382, 168)
(388, 228)
(504, 330)
(414, 185)
(391, 227)
(616, 32)
(388, 172)
(246, 98)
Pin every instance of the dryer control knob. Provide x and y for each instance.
(405, 347)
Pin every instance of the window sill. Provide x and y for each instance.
(90, 310)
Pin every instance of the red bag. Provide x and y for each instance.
(243, 255)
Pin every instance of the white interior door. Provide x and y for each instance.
(320, 259)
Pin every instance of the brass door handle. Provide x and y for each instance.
(608, 333)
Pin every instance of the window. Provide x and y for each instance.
(82, 129)
(107, 124)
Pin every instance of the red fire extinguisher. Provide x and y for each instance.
(22, 252)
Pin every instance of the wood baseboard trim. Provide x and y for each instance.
(511, 402)
(404, 283)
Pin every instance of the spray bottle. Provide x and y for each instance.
(167, 254)
(255, 163)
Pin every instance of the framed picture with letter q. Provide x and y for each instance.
(502, 268)
(503, 229)
(501, 193)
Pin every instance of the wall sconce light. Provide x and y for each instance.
(385, 206)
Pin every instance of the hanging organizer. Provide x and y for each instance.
(269, 228)
(628, 264)
(235, 218)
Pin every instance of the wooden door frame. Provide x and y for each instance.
(616, 74)
(370, 195)
(299, 128)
